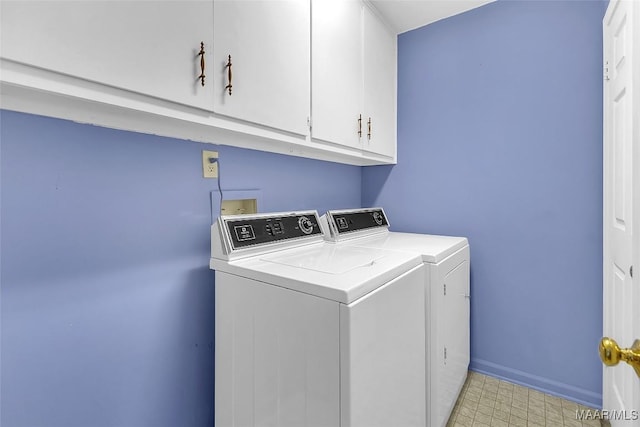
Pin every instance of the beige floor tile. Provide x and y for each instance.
(482, 418)
(489, 394)
(486, 401)
(454, 411)
(477, 382)
(491, 380)
(462, 420)
(591, 423)
(519, 395)
(572, 423)
(492, 387)
(537, 395)
(475, 389)
(505, 391)
(517, 421)
(504, 399)
(486, 410)
(496, 422)
(533, 410)
(567, 404)
(550, 407)
(536, 418)
(477, 375)
(536, 403)
(502, 406)
(569, 413)
(520, 413)
(501, 415)
(520, 404)
(473, 395)
(553, 399)
(553, 418)
(470, 404)
(467, 412)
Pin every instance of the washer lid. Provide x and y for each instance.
(329, 259)
(341, 273)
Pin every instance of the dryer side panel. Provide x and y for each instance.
(276, 357)
(450, 334)
(383, 355)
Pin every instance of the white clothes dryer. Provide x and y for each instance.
(310, 333)
(446, 261)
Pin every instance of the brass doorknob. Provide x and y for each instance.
(611, 353)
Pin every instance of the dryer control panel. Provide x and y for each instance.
(356, 220)
(256, 230)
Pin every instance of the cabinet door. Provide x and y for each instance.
(336, 71)
(141, 46)
(379, 76)
(269, 43)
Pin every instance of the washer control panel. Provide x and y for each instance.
(358, 219)
(245, 231)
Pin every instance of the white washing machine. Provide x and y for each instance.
(446, 261)
(309, 333)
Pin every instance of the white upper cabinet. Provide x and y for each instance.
(379, 76)
(336, 71)
(353, 77)
(296, 77)
(146, 47)
(268, 81)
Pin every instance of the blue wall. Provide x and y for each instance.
(106, 295)
(500, 140)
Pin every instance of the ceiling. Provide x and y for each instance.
(405, 15)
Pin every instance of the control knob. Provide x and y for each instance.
(378, 218)
(306, 226)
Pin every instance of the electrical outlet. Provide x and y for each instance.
(209, 164)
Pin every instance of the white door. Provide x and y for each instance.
(621, 299)
(269, 44)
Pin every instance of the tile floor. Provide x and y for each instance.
(486, 401)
